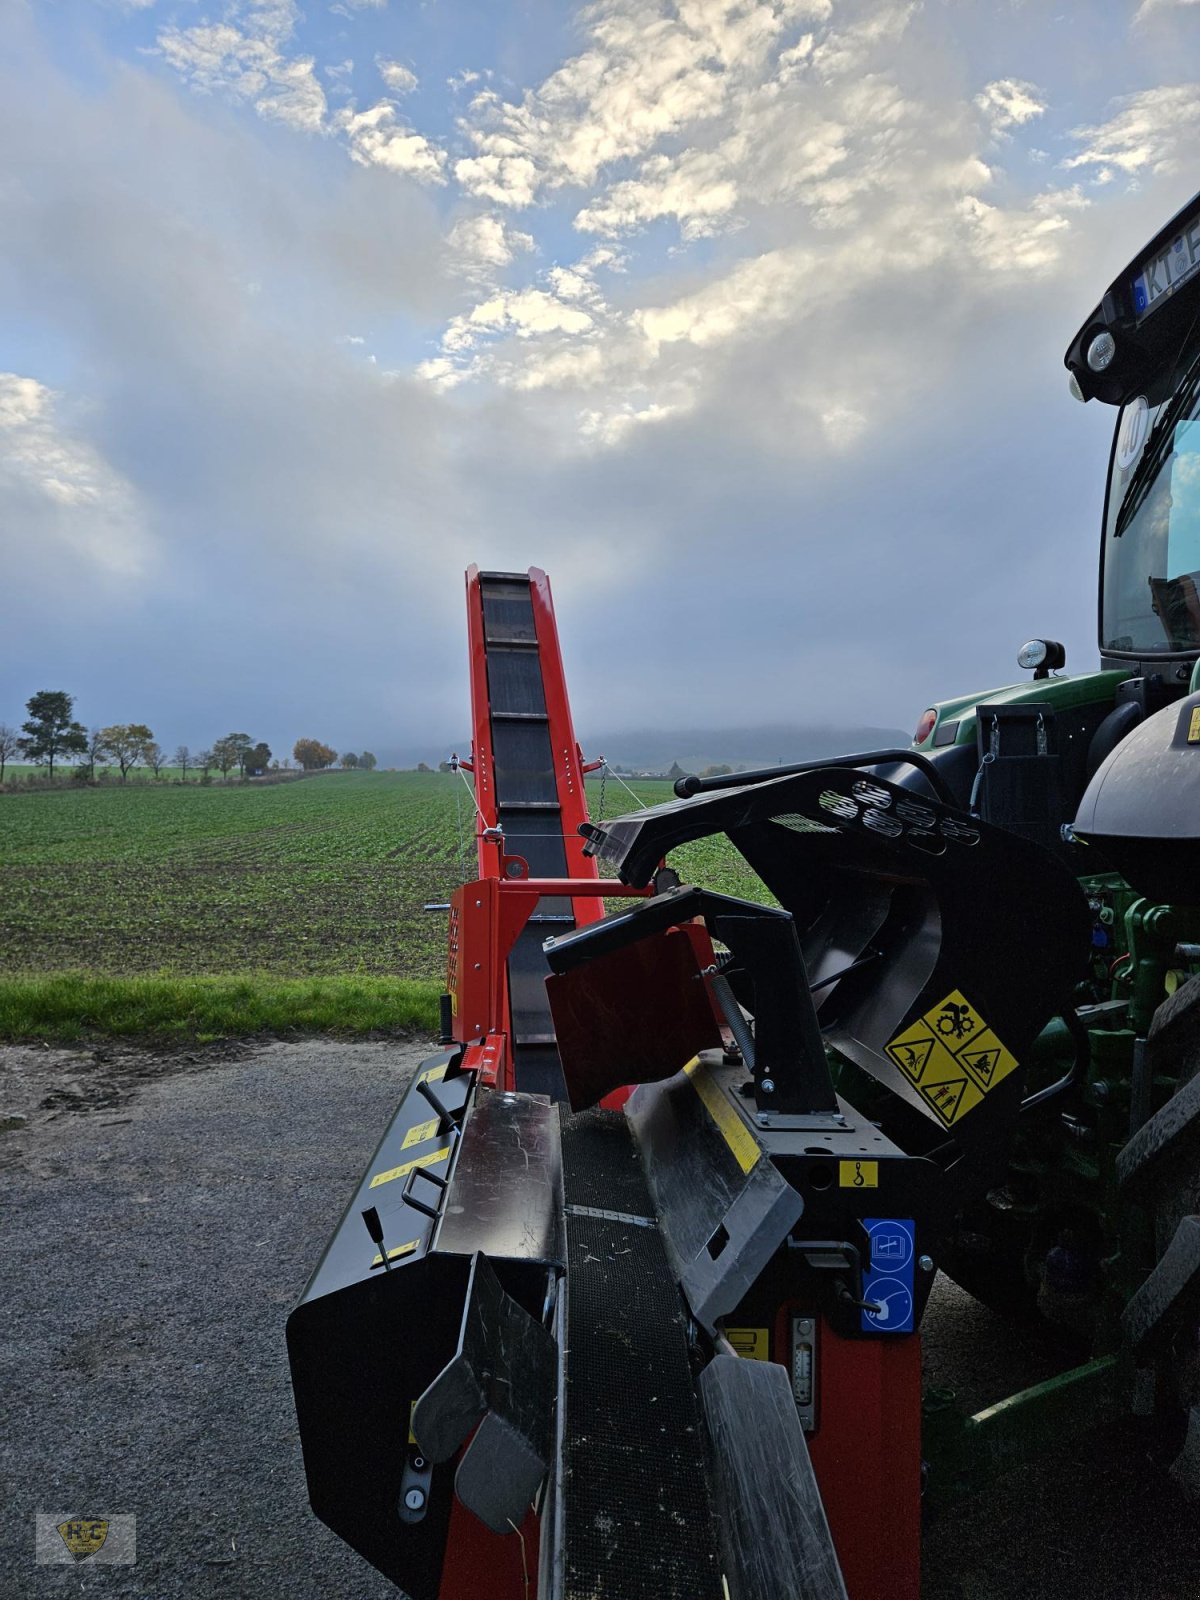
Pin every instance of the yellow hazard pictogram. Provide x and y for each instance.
(858, 1174)
(952, 1057)
(83, 1537)
(1193, 733)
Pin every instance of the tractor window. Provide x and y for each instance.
(1151, 583)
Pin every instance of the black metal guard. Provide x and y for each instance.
(791, 1073)
(690, 784)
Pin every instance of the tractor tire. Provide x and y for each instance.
(1159, 1170)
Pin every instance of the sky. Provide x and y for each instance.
(742, 318)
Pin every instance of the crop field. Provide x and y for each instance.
(321, 877)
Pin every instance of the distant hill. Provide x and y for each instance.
(654, 750)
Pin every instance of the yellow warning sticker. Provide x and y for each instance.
(952, 1057)
(1194, 726)
(412, 1438)
(403, 1170)
(734, 1131)
(432, 1074)
(396, 1252)
(421, 1132)
(750, 1343)
(858, 1174)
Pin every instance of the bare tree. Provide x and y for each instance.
(154, 756)
(206, 761)
(183, 760)
(9, 746)
(95, 750)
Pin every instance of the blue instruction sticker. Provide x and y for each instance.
(888, 1274)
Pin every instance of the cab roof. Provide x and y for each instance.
(1147, 309)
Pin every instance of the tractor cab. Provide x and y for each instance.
(1140, 351)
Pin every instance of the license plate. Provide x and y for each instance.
(1161, 274)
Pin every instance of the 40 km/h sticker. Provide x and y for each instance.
(952, 1057)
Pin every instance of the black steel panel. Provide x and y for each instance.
(412, 1136)
(536, 835)
(507, 1198)
(359, 1359)
(774, 1534)
(515, 681)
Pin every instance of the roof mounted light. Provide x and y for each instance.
(1101, 351)
(1041, 656)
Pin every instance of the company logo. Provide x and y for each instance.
(102, 1541)
(83, 1539)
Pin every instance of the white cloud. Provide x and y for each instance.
(248, 62)
(376, 139)
(396, 76)
(524, 312)
(78, 499)
(650, 70)
(483, 244)
(1152, 131)
(1008, 103)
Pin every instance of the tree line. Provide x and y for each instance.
(50, 734)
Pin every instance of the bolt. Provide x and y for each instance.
(804, 1325)
(418, 1463)
(415, 1499)
(925, 1263)
(767, 1086)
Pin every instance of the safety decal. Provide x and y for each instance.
(952, 1057)
(888, 1275)
(750, 1343)
(432, 1074)
(405, 1167)
(858, 1174)
(1193, 733)
(420, 1132)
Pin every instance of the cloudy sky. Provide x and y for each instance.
(743, 318)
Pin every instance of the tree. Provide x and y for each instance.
(226, 754)
(350, 760)
(154, 756)
(367, 761)
(206, 761)
(676, 771)
(313, 755)
(9, 745)
(51, 730)
(259, 758)
(127, 743)
(95, 750)
(183, 760)
(243, 744)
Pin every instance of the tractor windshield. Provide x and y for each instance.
(1151, 579)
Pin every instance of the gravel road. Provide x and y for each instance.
(161, 1215)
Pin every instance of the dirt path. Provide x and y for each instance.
(161, 1215)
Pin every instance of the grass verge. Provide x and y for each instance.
(164, 1008)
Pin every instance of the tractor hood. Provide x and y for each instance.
(1142, 808)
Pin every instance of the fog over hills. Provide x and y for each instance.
(656, 749)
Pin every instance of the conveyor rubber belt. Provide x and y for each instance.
(638, 1519)
(528, 811)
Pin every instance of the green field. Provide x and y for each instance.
(320, 878)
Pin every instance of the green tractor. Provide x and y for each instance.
(1091, 1225)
